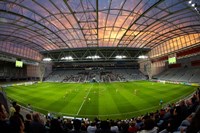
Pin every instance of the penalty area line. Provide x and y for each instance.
(84, 100)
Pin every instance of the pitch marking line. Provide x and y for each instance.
(84, 100)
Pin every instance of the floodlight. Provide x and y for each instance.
(120, 56)
(193, 4)
(190, 2)
(93, 57)
(47, 59)
(69, 58)
(143, 57)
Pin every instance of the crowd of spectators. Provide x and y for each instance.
(100, 75)
(182, 117)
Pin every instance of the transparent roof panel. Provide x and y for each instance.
(46, 25)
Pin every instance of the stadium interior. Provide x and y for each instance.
(88, 42)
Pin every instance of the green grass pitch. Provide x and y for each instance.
(118, 100)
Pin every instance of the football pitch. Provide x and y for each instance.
(118, 100)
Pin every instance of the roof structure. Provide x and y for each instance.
(56, 26)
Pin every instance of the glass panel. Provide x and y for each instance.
(49, 25)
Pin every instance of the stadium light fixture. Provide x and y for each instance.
(143, 57)
(193, 4)
(47, 59)
(93, 57)
(120, 56)
(68, 58)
